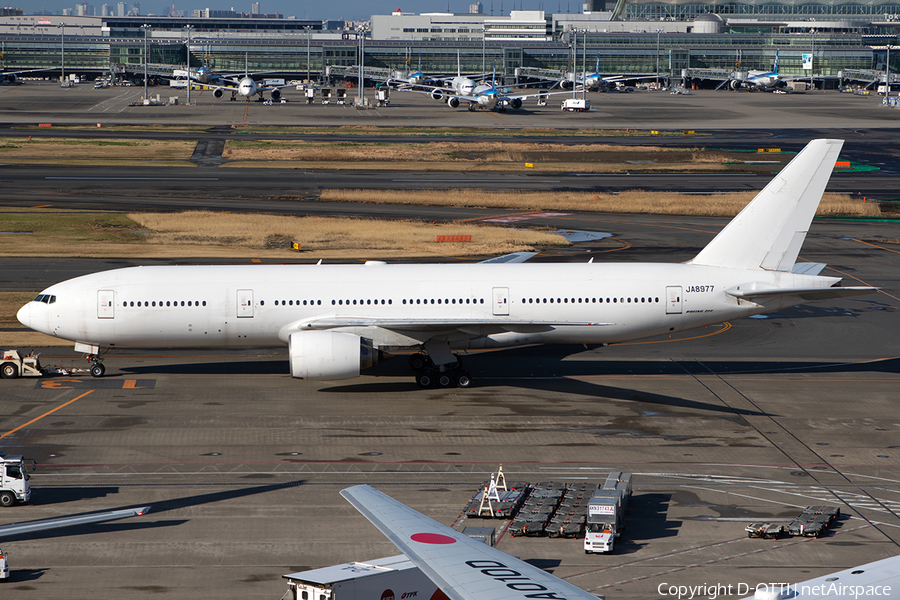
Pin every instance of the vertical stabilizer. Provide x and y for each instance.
(768, 233)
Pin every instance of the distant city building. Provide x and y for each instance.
(8, 11)
(254, 8)
(104, 10)
(120, 9)
(532, 25)
(135, 10)
(66, 12)
(476, 9)
(333, 24)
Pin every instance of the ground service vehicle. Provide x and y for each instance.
(767, 531)
(14, 481)
(388, 578)
(606, 513)
(14, 365)
(4, 566)
(579, 104)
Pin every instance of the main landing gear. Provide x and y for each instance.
(430, 375)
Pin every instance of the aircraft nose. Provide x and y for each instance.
(24, 315)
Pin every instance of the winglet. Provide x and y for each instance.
(768, 233)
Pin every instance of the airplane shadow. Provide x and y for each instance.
(156, 508)
(646, 520)
(22, 575)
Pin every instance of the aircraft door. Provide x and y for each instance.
(106, 304)
(673, 300)
(245, 303)
(501, 302)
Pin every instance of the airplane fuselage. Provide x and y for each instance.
(216, 306)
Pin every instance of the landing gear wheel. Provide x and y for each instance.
(97, 370)
(418, 361)
(424, 380)
(9, 371)
(463, 380)
(7, 499)
(444, 380)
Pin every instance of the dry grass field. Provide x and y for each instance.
(335, 237)
(201, 234)
(72, 151)
(487, 156)
(636, 201)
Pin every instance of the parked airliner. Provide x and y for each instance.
(337, 319)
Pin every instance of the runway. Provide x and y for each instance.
(744, 421)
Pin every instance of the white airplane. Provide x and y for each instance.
(764, 80)
(466, 569)
(338, 319)
(244, 85)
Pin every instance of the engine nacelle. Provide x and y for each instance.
(437, 95)
(329, 355)
(734, 84)
(276, 94)
(218, 93)
(453, 102)
(516, 103)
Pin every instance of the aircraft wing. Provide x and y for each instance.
(31, 526)
(807, 294)
(464, 569)
(879, 578)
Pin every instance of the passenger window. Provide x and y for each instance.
(204, 303)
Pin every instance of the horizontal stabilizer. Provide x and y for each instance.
(806, 294)
(463, 568)
(768, 233)
(33, 526)
(515, 257)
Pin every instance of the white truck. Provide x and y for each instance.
(576, 104)
(606, 513)
(14, 480)
(391, 578)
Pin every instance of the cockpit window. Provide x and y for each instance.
(45, 298)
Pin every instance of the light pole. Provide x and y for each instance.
(812, 56)
(657, 58)
(887, 73)
(483, 51)
(188, 58)
(62, 49)
(361, 35)
(146, 28)
(307, 28)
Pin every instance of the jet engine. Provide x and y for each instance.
(218, 93)
(329, 355)
(437, 95)
(276, 94)
(453, 102)
(516, 103)
(734, 84)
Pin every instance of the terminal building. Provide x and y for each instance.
(669, 38)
